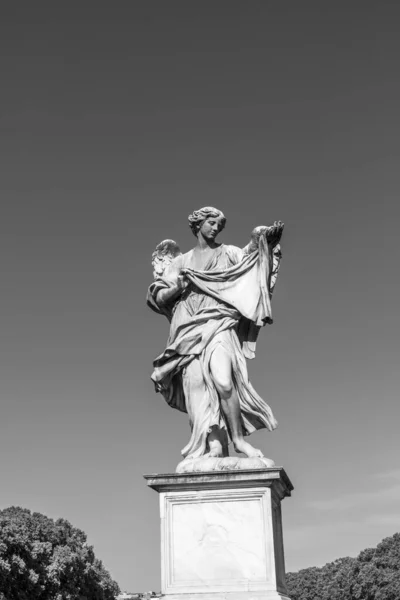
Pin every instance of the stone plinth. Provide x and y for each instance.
(221, 534)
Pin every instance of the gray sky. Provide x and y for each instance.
(117, 121)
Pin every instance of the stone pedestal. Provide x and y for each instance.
(221, 534)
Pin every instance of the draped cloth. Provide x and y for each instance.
(225, 304)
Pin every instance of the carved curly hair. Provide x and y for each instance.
(197, 218)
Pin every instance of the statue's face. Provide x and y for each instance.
(211, 227)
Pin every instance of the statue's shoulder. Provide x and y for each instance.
(178, 261)
(231, 248)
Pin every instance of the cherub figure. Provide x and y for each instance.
(216, 297)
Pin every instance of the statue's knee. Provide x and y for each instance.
(221, 370)
(224, 387)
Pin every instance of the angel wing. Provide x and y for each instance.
(163, 255)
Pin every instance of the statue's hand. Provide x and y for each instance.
(182, 282)
(257, 233)
(174, 290)
(274, 233)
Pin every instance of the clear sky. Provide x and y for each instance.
(118, 119)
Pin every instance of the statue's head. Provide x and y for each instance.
(207, 214)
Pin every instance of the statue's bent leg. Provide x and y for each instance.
(204, 415)
(221, 371)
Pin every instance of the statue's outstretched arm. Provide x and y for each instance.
(272, 233)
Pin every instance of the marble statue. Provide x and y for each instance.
(216, 298)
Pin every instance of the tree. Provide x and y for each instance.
(377, 571)
(42, 559)
(307, 584)
(373, 575)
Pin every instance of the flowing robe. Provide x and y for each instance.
(225, 304)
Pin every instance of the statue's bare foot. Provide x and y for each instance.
(247, 449)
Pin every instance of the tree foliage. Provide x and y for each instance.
(373, 575)
(42, 559)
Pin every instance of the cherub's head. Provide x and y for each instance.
(212, 216)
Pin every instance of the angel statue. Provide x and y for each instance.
(216, 298)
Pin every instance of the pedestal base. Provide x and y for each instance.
(221, 534)
(229, 596)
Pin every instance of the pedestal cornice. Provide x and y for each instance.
(274, 477)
